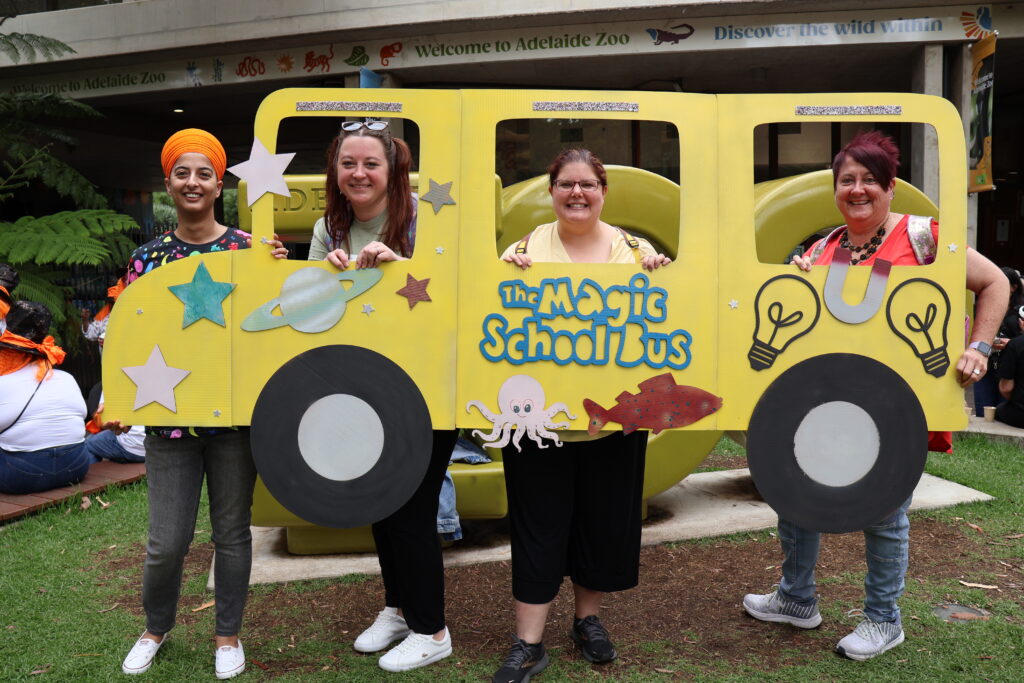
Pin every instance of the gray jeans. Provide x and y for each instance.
(175, 469)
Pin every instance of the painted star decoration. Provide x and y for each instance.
(734, 304)
(438, 195)
(415, 290)
(263, 172)
(155, 381)
(952, 248)
(203, 297)
(368, 309)
(438, 250)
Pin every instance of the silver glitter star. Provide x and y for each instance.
(368, 309)
(952, 248)
(734, 304)
(439, 250)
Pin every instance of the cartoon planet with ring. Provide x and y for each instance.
(312, 300)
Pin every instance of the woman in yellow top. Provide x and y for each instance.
(574, 511)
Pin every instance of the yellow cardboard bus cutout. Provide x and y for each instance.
(342, 375)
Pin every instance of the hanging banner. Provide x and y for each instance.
(668, 37)
(983, 54)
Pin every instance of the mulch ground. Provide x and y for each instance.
(687, 604)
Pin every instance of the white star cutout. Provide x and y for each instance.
(368, 309)
(952, 248)
(733, 304)
(439, 250)
(264, 172)
(216, 413)
(155, 381)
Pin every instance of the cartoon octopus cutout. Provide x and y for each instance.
(521, 405)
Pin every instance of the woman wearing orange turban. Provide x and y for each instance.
(179, 458)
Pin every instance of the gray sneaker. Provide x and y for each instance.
(870, 639)
(774, 607)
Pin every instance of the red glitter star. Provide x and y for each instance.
(415, 290)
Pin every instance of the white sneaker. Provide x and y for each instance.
(415, 651)
(386, 629)
(870, 639)
(229, 661)
(773, 607)
(141, 656)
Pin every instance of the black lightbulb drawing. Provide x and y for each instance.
(786, 308)
(918, 312)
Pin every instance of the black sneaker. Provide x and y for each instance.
(523, 661)
(592, 638)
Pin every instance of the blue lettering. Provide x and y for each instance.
(618, 317)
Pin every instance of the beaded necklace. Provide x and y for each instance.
(864, 251)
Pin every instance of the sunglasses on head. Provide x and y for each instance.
(352, 126)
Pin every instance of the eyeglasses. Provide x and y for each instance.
(585, 185)
(351, 126)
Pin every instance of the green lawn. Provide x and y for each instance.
(64, 614)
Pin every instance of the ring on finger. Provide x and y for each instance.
(977, 371)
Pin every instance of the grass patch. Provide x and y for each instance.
(69, 590)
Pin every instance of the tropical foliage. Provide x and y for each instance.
(45, 248)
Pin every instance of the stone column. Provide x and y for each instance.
(961, 66)
(924, 162)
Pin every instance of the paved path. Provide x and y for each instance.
(703, 504)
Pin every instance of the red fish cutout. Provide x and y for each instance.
(661, 404)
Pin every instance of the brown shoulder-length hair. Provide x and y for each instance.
(338, 212)
(576, 155)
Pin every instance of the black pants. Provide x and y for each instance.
(1010, 413)
(575, 511)
(409, 551)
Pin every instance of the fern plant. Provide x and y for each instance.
(44, 248)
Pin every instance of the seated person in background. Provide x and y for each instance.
(106, 444)
(1011, 378)
(42, 412)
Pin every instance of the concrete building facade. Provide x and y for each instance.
(154, 66)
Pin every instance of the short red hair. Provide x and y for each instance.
(873, 150)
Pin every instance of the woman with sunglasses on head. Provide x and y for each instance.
(576, 510)
(370, 215)
(370, 218)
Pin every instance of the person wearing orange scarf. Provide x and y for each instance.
(42, 412)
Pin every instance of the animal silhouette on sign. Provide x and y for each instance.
(313, 60)
(660, 36)
(389, 51)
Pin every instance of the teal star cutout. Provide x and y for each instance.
(438, 195)
(203, 297)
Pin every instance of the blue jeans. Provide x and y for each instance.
(49, 468)
(104, 446)
(175, 469)
(886, 548)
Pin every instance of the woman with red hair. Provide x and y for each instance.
(864, 179)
